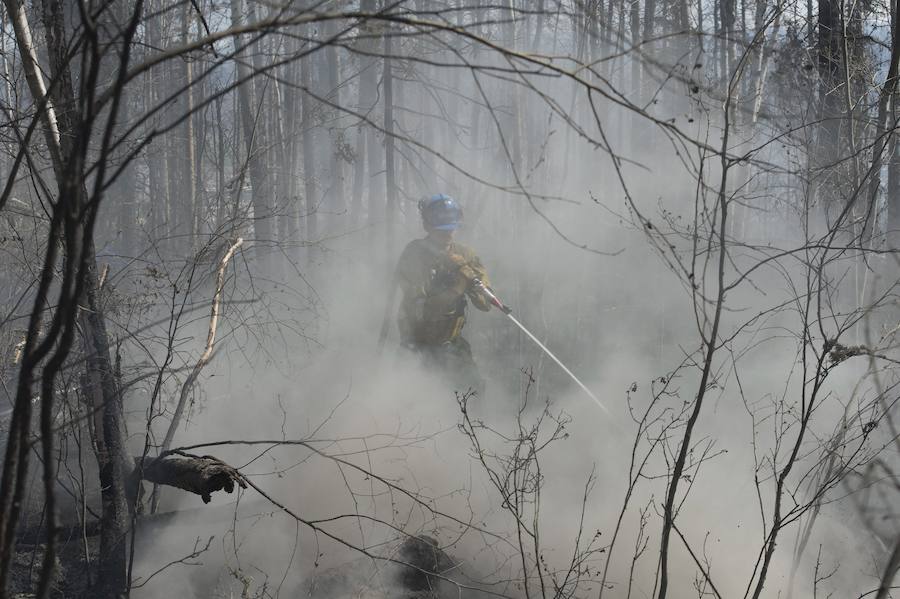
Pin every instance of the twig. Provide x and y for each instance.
(889, 571)
(697, 561)
(210, 341)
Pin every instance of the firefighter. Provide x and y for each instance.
(438, 278)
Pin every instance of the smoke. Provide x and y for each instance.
(386, 457)
(625, 208)
(616, 320)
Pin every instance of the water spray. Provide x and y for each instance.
(507, 311)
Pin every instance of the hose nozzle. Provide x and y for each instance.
(492, 297)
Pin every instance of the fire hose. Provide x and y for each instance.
(507, 311)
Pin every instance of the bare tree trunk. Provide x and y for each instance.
(189, 209)
(893, 183)
(179, 154)
(684, 20)
(884, 130)
(649, 20)
(829, 59)
(254, 136)
(291, 212)
(366, 98)
(359, 175)
(390, 180)
(335, 199)
(636, 85)
(374, 152)
(16, 458)
(309, 157)
(279, 124)
(68, 137)
(727, 23)
(110, 439)
(122, 198)
(157, 164)
(221, 194)
(893, 157)
(762, 60)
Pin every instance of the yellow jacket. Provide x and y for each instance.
(435, 284)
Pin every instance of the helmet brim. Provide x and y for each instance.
(448, 227)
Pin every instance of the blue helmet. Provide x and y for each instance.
(441, 212)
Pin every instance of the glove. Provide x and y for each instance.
(466, 272)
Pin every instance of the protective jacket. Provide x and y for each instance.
(435, 284)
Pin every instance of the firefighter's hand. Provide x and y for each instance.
(461, 284)
(468, 273)
(457, 259)
(466, 278)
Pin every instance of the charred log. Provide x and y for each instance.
(201, 475)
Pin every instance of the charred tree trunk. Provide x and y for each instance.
(70, 132)
(102, 389)
(649, 20)
(726, 18)
(110, 440)
(829, 63)
(72, 222)
(893, 182)
(884, 133)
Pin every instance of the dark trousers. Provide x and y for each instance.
(454, 361)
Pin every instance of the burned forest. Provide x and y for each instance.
(529, 299)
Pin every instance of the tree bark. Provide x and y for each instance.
(201, 475)
(884, 132)
(829, 62)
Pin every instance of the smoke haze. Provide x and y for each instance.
(663, 210)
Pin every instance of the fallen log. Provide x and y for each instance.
(201, 475)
